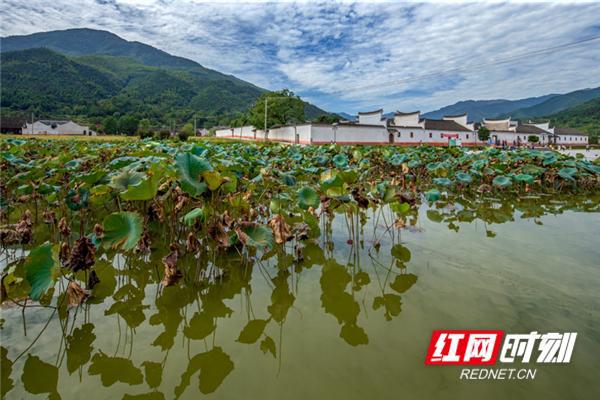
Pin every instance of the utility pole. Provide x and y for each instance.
(32, 123)
(194, 125)
(266, 105)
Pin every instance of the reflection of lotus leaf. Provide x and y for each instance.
(401, 253)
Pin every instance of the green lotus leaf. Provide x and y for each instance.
(464, 178)
(442, 181)
(126, 178)
(340, 160)
(259, 236)
(308, 197)
(230, 186)
(502, 181)
(400, 208)
(288, 179)
(191, 217)
(39, 270)
(433, 195)
(398, 159)
(526, 178)
(567, 173)
(213, 179)
(190, 169)
(122, 230)
(145, 189)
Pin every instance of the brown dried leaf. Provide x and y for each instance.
(75, 294)
(172, 274)
(63, 227)
(281, 229)
(82, 256)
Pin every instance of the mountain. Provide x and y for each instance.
(81, 42)
(479, 109)
(346, 116)
(585, 117)
(556, 104)
(93, 74)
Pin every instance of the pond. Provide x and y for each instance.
(350, 317)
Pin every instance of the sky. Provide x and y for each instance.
(346, 56)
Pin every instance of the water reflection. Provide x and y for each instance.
(351, 249)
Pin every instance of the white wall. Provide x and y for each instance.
(428, 136)
(407, 120)
(375, 118)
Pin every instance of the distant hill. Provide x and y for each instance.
(81, 42)
(585, 117)
(556, 104)
(92, 73)
(479, 109)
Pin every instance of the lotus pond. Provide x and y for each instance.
(160, 270)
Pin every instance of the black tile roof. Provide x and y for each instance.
(569, 131)
(445, 125)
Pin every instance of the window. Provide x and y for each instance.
(430, 134)
(412, 135)
(398, 134)
(467, 135)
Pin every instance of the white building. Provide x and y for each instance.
(410, 129)
(514, 133)
(370, 129)
(57, 127)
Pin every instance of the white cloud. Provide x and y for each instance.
(325, 51)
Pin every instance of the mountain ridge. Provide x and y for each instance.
(151, 81)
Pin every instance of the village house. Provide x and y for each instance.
(407, 128)
(57, 127)
(12, 125)
(513, 133)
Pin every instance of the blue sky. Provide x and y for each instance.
(346, 56)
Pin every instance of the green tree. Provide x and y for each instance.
(533, 139)
(283, 107)
(111, 126)
(186, 131)
(327, 119)
(128, 125)
(144, 128)
(483, 134)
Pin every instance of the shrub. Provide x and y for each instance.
(183, 135)
(533, 139)
(163, 134)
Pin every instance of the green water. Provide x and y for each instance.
(348, 322)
